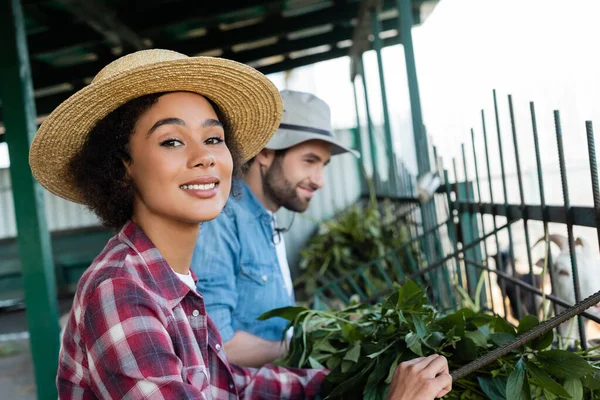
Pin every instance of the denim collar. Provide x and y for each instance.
(251, 202)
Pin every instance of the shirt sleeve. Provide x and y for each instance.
(130, 352)
(215, 262)
(272, 382)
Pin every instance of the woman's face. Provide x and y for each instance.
(180, 164)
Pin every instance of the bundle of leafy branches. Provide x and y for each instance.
(362, 345)
(359, 234)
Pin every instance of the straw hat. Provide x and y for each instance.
(250, 102)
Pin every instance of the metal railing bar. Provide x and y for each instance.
(511, 249)
(565, 189)
(489, 176)
(485, 248)
(545, 214)
(532, 289)
(521, 191)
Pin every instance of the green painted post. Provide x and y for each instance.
(389, 143)
(359, 143)
(16, 92)
(471, 234)
(370, 130)
(406, 23)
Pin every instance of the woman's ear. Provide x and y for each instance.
(265, 157)
(127, 177)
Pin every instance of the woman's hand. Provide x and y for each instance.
(423, 378)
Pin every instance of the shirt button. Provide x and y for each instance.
(231, 386)
(264, 278)
(195, 313)
(218, 347)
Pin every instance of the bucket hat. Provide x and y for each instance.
(305, 117)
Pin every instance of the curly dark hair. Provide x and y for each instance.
(98, 169)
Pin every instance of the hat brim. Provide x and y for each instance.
(285, 138)
(249, 101)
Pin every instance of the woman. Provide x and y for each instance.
(151, 146)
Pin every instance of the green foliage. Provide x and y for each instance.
(358, 235)
(363, 344)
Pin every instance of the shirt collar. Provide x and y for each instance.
(164, 280)
(251, 201)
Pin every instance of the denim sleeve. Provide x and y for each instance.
(215, 262)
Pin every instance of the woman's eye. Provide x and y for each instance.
(171, 143)
(214, 140)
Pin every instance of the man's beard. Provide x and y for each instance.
(280, 190)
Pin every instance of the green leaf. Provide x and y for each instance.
(549, 395)
(465, 350)
(393, 367)
(477, 337)
(544, 380)
(350, 333)
(414, 344)
(502, 326)
(501, 338)
(314, 363)
(543, 342)
(592, 381)
(575, 388)
(517, 385)
(527, 323)
(564, 364)
(421, 328)
(494, 388)
(435, 340)
(353, 354)
(289, 313)
(378, 353)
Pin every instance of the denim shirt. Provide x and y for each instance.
(239, 276)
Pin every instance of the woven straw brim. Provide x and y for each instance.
(249, 101)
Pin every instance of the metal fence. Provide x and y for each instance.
(483, 251)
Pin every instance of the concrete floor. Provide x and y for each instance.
(17, 381)
(16, 371)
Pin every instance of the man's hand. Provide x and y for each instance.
(421, 379)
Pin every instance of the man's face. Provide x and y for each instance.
(293, 178)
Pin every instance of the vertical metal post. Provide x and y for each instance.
(511, 249)
(406, 23)
(589, 129)
(545, 216)
(522, 195)
(569, 214)
(376, 26)
(458, 191)
(370, 130)
(16, 92)
(452, 230)
(420, 137)
(472, 230)
(359, 143)
(485, 249)
(500, 281)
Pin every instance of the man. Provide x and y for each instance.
(245, 271)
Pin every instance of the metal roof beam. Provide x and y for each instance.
(103, 20)
(218, 40)
(46, 104)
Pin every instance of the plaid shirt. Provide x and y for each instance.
(137, 331)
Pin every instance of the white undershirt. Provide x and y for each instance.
(282, 258)
(284, 267)
(187, 279)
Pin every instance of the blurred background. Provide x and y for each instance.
(407, 82)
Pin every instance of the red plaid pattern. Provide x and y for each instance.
(136, 331)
